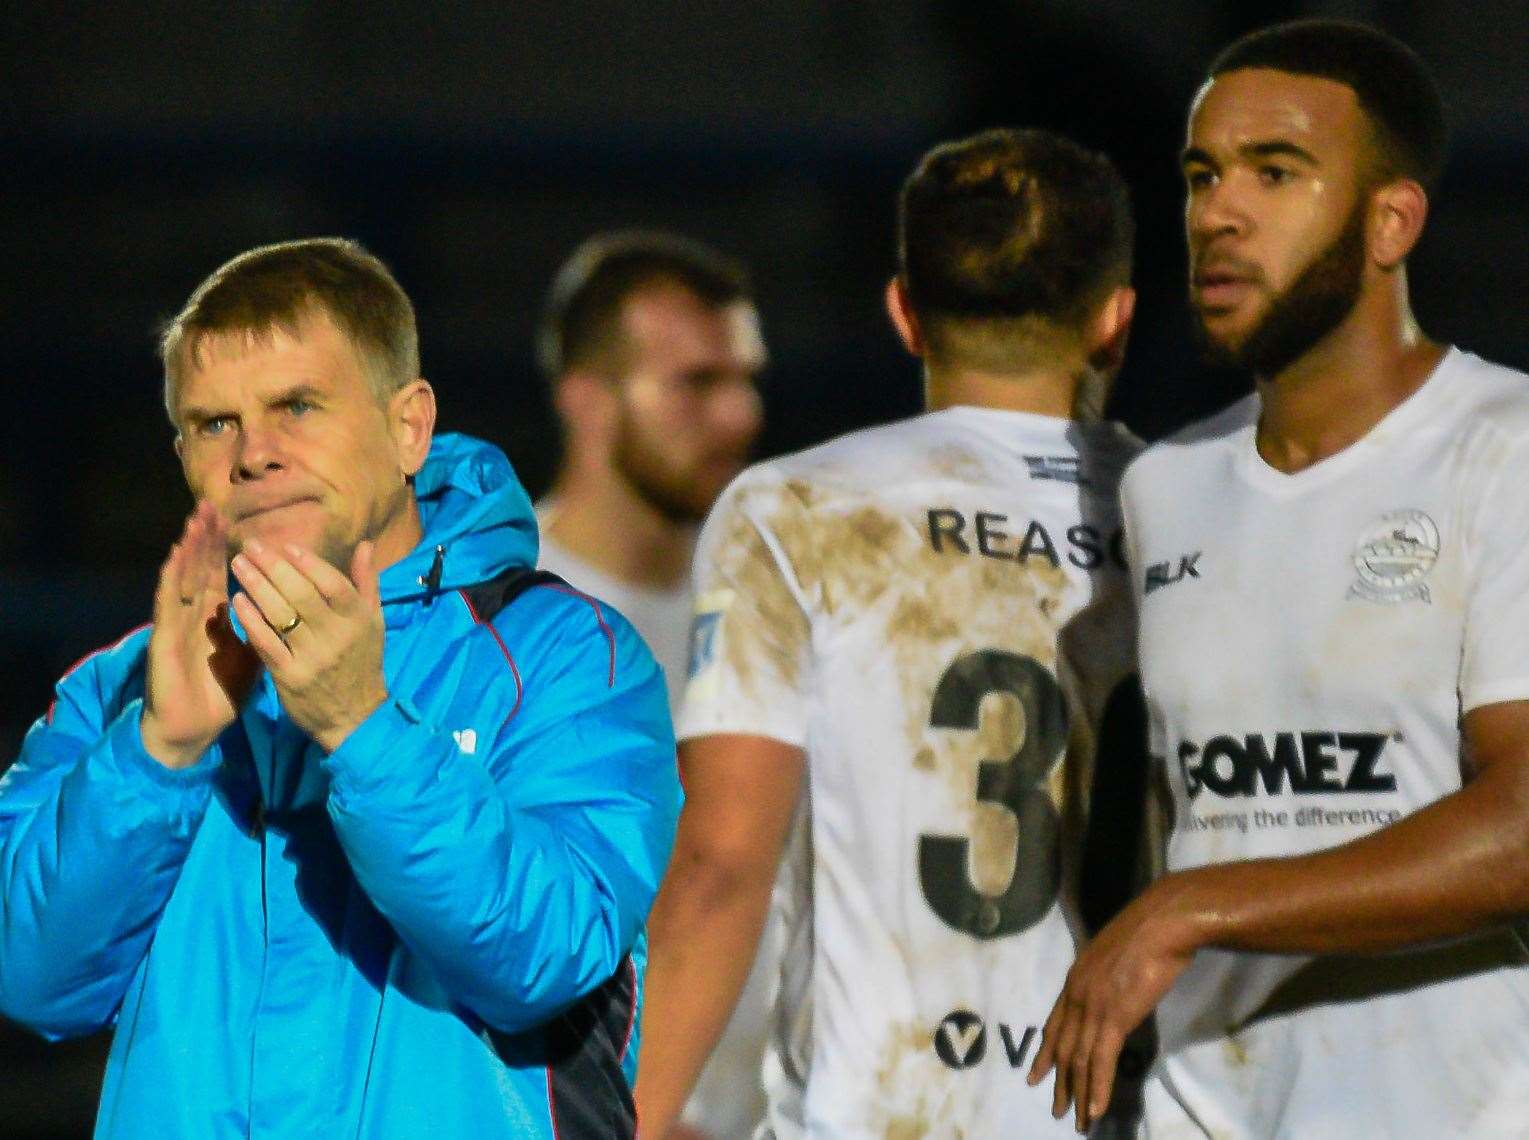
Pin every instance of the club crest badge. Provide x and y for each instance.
(703, 640)
(704, 630)
(1394, 556)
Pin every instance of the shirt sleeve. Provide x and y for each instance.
(751, 634)
(1494, 663)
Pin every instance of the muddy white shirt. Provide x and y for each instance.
(896, 603)
(1308, 644)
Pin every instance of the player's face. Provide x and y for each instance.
(1275, 213)
(288, 441)
(690, 404)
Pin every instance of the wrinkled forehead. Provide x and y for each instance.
(308, 345)
(207, 348)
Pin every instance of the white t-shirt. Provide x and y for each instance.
(662, 617)
(1308, 644)
(728, 1100)
(895, 603)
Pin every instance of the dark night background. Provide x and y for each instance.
(472, 145)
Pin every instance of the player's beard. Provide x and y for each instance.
(1315, 303)
(678, 495)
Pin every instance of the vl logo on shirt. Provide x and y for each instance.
(1394, 556)
(961, 1040)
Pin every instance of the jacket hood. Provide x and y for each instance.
(477, 519)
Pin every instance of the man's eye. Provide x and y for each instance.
(213, 425)
(299, 406)
(1274, 175)
(1199, 179)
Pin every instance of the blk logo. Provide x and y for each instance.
(961, 1040)
(1161, 574)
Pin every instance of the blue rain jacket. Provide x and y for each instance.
(436, 931)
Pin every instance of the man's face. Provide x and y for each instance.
(1275, 213)
(288, 441)
(689, 404)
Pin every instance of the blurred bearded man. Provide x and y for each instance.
(653, 349)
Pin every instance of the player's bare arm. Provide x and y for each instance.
(199, 672)
(318, 632)
(740, 793)
(1453, 867)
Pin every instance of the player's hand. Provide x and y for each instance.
(1116, 982)
(318, 632)
(199, 672)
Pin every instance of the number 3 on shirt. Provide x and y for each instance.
(1017, 783)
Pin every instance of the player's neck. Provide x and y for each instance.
(1042, 392)
(598, 518)
(1332, 396)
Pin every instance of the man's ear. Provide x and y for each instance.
(411, 420)
(1110, 329)
(1398, 211)
(904, 319)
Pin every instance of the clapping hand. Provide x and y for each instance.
(317, 631)
(199, 672)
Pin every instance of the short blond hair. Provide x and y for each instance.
(278, 287)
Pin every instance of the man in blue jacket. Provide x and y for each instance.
(358, 837)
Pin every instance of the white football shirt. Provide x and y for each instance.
(728, 1100)
(662, 617)
(1308, 645)
(896, 603)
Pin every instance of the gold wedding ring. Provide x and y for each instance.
(297, 620)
